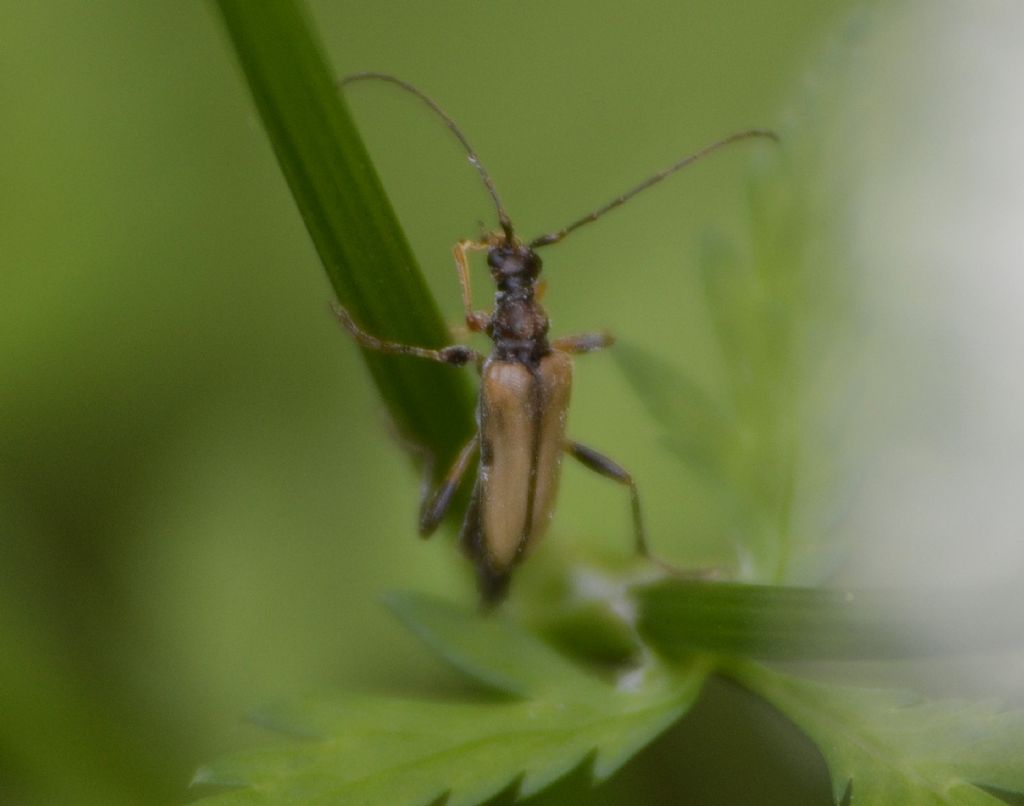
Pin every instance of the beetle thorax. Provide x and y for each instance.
(519, 325)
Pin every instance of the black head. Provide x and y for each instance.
(513, 264)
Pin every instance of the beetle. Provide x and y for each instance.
(525, 386)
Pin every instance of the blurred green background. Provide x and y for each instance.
(199, 500)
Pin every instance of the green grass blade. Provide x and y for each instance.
(788, 623)
(349, 217)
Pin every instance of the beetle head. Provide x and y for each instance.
(513, 264)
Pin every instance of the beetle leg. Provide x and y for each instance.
(462, 331)
(600, 463)
(477, 321)
(457, 355)
(433, 507)
(584, 342)
(606, 467)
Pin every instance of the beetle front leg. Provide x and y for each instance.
(476, 321)
(434, 507)
(584, 342)
(457, 355)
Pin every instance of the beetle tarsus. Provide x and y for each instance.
(458, 355)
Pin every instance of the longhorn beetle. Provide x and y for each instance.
(524, 390)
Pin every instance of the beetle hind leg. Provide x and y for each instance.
(434, 506)
(601, 464)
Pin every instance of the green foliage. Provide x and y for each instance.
(778, 622)
(747, 440)
(544, 715)
(893, 747)
(771, 436)
(538, 716)
(777, 316)
(543, 718)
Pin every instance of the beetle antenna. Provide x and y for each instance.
(474, 160)
(555, 237)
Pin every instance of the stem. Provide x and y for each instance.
(353, 226)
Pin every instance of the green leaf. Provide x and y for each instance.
(679, 618)
(374, 749)
(891, 747)
(349, 218)
(492, 651)
(695, 428)
(733, 300)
